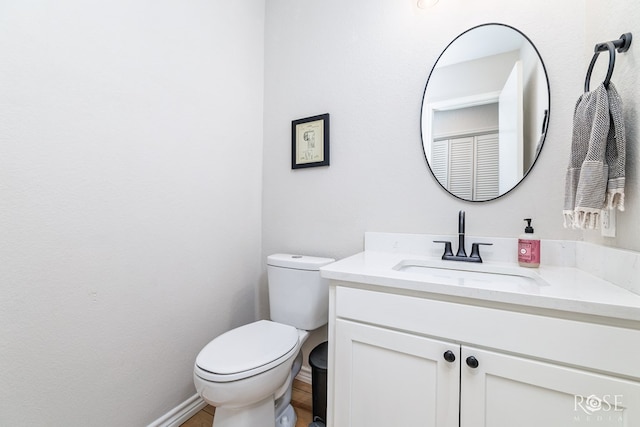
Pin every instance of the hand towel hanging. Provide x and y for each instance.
(586, 178)
(596, 173)
(616, 152)
(595, 176)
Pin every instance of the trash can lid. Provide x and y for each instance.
(318, 356)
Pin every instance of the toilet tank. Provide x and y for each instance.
(298, 296)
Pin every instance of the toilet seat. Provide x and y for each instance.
(246, 351)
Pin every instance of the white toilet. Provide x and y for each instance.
(247, 373)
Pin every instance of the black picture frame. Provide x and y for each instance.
(310, 142)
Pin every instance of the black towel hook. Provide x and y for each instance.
(622, 45)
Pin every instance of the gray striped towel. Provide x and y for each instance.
(595, 175)
(616, 152)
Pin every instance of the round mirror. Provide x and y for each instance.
(485, 112)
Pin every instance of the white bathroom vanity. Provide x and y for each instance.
(417, 341)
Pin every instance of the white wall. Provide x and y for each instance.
(366, 63)
(130, 198)
(475, 77)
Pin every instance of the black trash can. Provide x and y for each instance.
(318, 363)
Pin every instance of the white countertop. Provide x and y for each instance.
(562, 288)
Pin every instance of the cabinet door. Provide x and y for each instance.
(507, 391)
(389, 378)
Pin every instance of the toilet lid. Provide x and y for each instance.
(247, 350)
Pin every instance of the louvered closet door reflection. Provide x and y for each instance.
(461, 167)
(440, 161)
(467, 166)
(486, 173)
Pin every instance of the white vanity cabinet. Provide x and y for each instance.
(393, 378)
(408, 360)
(506, 390)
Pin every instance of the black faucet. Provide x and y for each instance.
(461, 255)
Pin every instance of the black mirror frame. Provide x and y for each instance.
(547, 112)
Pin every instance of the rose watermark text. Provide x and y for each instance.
(593, 404)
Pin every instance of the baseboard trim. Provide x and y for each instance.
(192, 405)
(180, 413)
(304, 375)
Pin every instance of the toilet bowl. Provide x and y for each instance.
(246, 373)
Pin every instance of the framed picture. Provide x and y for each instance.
(310, 142)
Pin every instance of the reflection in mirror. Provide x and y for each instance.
(485, 112)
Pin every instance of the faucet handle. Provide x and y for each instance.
(475, 250)
(447, 247)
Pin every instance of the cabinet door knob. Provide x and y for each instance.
(449, 356)
(472, 362)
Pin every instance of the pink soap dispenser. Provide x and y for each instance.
(528, 247)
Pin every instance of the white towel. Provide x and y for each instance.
(595, 175)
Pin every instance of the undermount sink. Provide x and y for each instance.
(471, 274)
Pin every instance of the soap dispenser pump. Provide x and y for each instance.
(528, 247)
